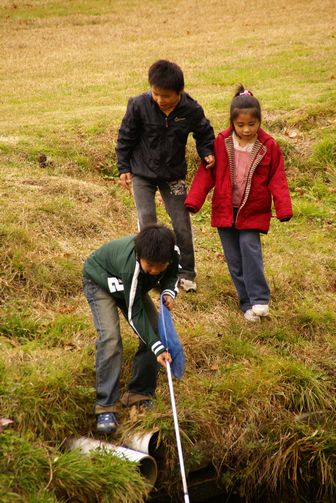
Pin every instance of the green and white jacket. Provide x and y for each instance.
(115, 268)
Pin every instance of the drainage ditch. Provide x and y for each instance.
(144, 449)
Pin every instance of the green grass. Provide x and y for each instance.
(33, 473)
(257, 401)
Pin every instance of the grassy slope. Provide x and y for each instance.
(262, 397)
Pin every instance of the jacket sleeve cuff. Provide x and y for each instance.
(284, 215)
(204, 153)
(169, 292)
(190, 208)
(158, 348)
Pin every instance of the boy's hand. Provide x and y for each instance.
(209, 161)
(168, 302)
(126, 181)
(163, 357)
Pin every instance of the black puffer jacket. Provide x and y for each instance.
(152, 145)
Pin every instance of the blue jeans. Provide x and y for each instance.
(242, 250)
(173, 195)
(109, 350)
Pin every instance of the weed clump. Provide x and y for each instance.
(30, 472)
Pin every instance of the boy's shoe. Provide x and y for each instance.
(261, 309)
(106, 422)
(146, 405)
(138, 409)
(188, 285)
(249, 315)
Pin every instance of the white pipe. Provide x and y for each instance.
(147, 464)
(146, 442)
(177, 434)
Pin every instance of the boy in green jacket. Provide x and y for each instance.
(119, 275)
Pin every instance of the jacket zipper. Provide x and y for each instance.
(164, 139)
(251, 166)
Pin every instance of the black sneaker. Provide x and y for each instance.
(106, 422)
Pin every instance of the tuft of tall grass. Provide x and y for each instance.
(31, 473)
(99, 476)
(324, 154)
(24, 467)
(19, 326)
(52, 392)
(307, 389)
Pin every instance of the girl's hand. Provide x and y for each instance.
(163, 357)
(126, 181)
(209, 161)
(168, 301)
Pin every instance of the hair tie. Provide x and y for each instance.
(246, 93)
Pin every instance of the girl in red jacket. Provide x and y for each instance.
(248, 174)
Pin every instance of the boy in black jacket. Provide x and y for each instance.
(119, 275)
(151, 154)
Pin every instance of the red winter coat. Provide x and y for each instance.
(266, 179)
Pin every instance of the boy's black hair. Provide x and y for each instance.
(244, 99)
(155, 243)
(166, 75)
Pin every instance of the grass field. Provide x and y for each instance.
(257, 401)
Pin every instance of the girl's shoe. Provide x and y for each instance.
(261, 309)
(106, 422)
(249, 315)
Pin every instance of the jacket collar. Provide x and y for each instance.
(180, 104)
(263, 137)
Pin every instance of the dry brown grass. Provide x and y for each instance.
(256, 400)
(82, 68)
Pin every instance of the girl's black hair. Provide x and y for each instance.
(166, 75)
(244, 99)
(155, 243)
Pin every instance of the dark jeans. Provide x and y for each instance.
(242, 249)
(109, 349)
(173, 195)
